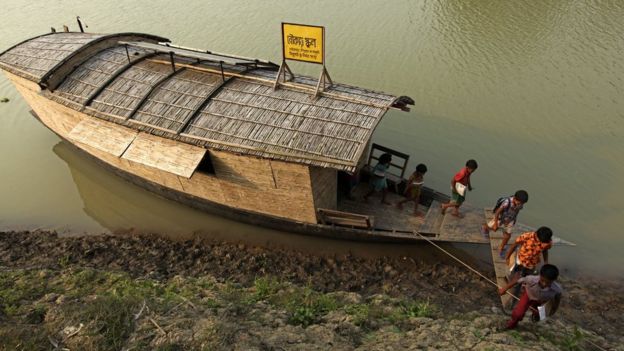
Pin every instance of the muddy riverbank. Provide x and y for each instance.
(248, 297)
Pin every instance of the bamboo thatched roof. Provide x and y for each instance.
(211, 100)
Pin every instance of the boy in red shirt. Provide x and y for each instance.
(462, 177)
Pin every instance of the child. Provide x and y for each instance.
(537, 291)
(378, 178)
(412, 191)
(532, 246)
(505, 216)
(462, 177)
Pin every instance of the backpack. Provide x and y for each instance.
(499, 202)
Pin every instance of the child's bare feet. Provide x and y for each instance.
(485, 231)
(457, 214)
(419, 214)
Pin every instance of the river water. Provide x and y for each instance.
(531, 89)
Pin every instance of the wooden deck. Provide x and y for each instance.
(431, 222)
(386, 217)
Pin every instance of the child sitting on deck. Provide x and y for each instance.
(378, 178)
(463, 179)
(412, 190)
(537, 290)
(505, 215)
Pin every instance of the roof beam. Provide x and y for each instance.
(207, 56)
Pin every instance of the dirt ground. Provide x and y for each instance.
(590, 303)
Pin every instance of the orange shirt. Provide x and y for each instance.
(531, 248)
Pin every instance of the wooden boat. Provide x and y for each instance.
(216, 132)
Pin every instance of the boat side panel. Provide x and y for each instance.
(64, 120)
(271, 187)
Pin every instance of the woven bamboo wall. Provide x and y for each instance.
(324, 187)
(64, 120)
(271, 187)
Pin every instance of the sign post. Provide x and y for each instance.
(306, 44)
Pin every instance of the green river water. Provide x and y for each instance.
(531, 89)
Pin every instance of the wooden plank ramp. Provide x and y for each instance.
(465, 229)
(433, 219)
(500, 268)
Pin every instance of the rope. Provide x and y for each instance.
(489, 280)
(467, 266)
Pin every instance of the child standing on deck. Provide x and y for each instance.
(459, 185)
(505, 215)
(412, 190)
(537, 290)
(378, 178)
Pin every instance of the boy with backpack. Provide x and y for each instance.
(537, 291)
(505, 215)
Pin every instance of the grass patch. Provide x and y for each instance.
(412, 309)
(23, 338)
(265, 287)
(307, 306)
(517, 337)
(569, 341)
(109, 320)
(18, 288)
(359, 312)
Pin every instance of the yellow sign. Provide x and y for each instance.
(303, 43)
